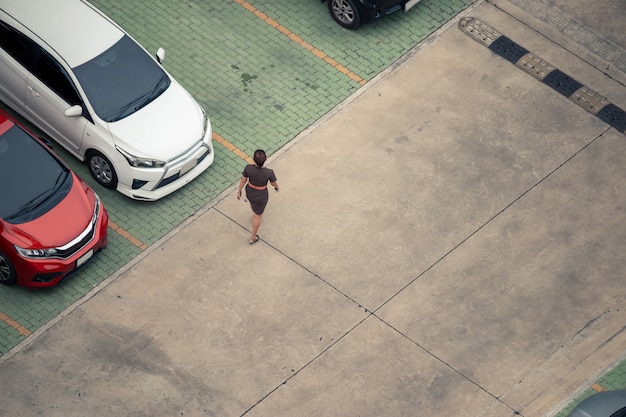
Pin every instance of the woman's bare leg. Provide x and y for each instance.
(256, 223)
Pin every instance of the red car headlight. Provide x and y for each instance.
(42, 253)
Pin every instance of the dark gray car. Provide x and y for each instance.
(602, 404)
(352, 13)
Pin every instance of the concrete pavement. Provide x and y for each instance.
(449, 241)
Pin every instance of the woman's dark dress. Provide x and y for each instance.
(259, 177)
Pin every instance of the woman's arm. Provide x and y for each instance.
(275, 185)
(242, 183)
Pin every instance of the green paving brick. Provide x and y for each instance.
(9, 337)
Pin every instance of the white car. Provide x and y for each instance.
(84, 81)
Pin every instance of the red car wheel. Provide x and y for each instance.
(7, 272)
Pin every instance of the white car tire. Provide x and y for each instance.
(102, 169)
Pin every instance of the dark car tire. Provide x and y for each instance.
(346, 12)
(7, 272)
(102, 169)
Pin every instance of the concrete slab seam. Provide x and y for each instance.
(306, 365)
(567, 86)
(446, 364)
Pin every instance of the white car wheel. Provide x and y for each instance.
(102, 169)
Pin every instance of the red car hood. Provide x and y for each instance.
(60, 225)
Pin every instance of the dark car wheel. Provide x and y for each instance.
(7, 272)
(346, 13)
(102, 169)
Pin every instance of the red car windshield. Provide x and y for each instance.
(32, 180)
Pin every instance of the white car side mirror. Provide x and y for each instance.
(160, 55)
(73, 111)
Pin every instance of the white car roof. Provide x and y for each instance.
(70, 27)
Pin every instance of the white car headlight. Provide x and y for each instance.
(206, 123)
(137, 161)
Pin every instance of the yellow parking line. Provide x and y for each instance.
(132, 239)
(8, 320)
(232, 148)
(301, 42)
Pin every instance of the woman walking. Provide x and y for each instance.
(255, 178)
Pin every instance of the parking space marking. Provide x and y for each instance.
(8, 320)
(132, 239)
(356, 78)
(241, 154)
(560, 82)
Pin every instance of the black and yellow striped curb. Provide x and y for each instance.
(585, 97)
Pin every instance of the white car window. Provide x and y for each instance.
(18, 46)
(54, 76)
(39, 63)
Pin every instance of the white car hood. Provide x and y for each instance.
(164, 129)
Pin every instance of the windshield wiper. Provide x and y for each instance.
(124, 109)
(140, 101)
(156, 91)
(41, 198)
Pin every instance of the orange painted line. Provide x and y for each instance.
(232, 148)
(8, 320)
(132, 239)
(301, 42)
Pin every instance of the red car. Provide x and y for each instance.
(51, 222)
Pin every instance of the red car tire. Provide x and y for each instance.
(7, 271)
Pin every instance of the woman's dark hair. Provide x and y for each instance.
(259, 157)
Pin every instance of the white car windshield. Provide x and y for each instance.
(121, 80)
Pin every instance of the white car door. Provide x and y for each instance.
(13, 49)
(13, 85)
(49, 93)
